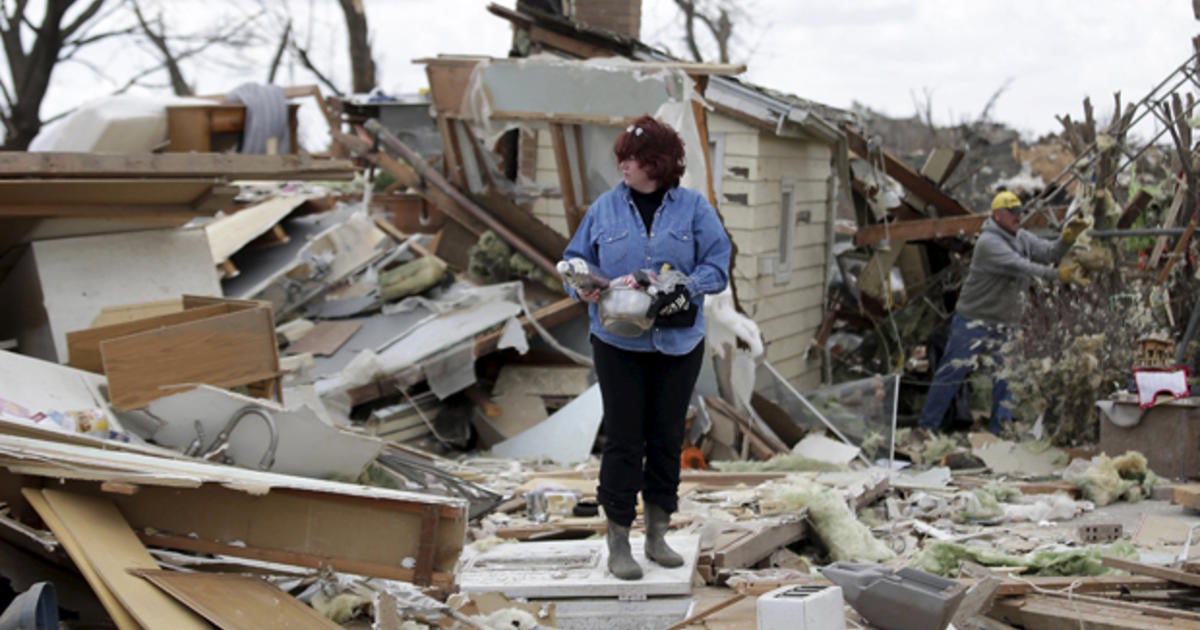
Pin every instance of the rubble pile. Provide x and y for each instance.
(348, 390)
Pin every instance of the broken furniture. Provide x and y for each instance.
(215, 128)
(214, 341)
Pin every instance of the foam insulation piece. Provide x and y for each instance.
(836, 526)
(944, 558)
(1104, 480)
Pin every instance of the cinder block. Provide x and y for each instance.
(1100, 532)
(802, 607)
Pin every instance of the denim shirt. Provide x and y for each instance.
(686, 233)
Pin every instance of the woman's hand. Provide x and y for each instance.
(589, 295)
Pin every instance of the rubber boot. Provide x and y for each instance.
(620, 558)
(657, 524)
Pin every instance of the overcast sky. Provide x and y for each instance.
(882, 53)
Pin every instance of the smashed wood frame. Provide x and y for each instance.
(22, 165)
(208, 508)
(912, 181)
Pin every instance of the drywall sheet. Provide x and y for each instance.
(71, 280)
(230, 233)
(307, 445)
(575, 568)
(565, 437)
(106, 542)
(232, 602)
(43, 386)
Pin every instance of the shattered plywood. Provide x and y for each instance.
(103, 540)
(201, 507)
(228, 234)
(232, 601)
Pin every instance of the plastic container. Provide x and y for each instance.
(907, 599)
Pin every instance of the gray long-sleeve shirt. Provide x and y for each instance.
(1002, 267)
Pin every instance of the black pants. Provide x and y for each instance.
(645, 397)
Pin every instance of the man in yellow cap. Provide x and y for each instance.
(1005, 260)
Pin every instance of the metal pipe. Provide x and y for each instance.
(431, 175)
(1175, 231)
(268, 458)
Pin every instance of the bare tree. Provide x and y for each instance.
(61, 33)
(362, 65)
(705, 20)
(213, 43)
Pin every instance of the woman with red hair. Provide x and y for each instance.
(644, 223)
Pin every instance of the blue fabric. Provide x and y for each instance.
(686, 233)
(969, 339)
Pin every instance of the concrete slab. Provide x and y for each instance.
(575, 568)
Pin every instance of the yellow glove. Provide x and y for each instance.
(1070, 273)
(1074, 228)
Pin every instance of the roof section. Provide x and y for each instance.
(765, 104)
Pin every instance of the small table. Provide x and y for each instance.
(214, 128)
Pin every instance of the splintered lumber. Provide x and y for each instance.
(748, 551)
(22, 165)
(105, 542)
(765, 445)
(1140, 568)
(1043, 612)
(912, 181)
(232, 601)
(208, 508)
(132, 197)
(1080, 584)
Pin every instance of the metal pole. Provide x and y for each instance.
(1175, 231)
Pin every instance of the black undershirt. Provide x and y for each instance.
(647, 204)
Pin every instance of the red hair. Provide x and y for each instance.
(656, 147)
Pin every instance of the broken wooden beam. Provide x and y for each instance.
(912, 181)
(919, 230)
(23, 165)
(1141, 568)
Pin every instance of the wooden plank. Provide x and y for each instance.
(234, 602)
(325, 338)
(120, 616)
(441, 580)
(1083, 584)
(110, 315)
(1134, 209)
(21, 165)
(128, 191)
(110, 546)
(750, 550)
(83, 346)
(1160, 243)
(231, 233)
(557, 118)
(1139, 568)
(224, 351)
(1040, 612)
(913, 181)
(566, 177)
(921, 229)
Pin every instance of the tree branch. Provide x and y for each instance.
(302, 55)
(275, 61)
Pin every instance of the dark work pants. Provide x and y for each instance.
(645, 398)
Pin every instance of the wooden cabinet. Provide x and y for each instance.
(214, 128)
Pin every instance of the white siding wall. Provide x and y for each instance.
(755, 164)
(550, 211)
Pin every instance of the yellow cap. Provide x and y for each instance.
(1005, 199)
